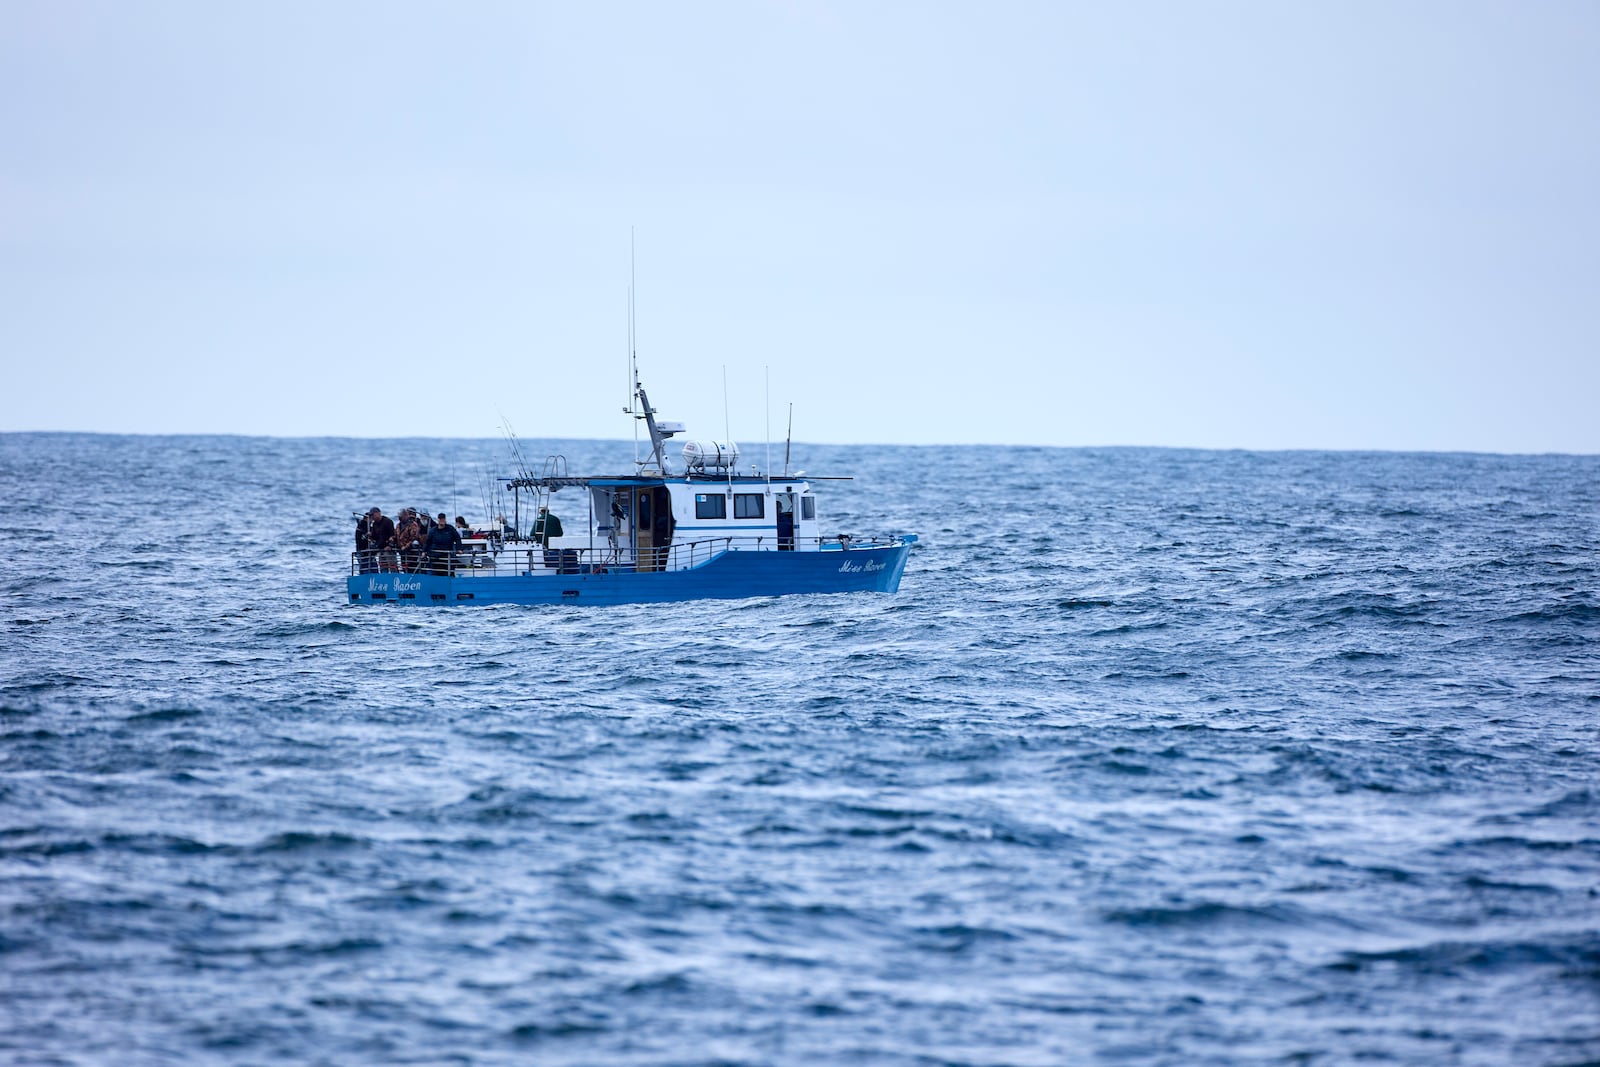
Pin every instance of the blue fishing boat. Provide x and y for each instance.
(671, 530)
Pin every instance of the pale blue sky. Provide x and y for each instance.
(1258, 225)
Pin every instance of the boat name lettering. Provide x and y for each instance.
(861, 568)
(401, 585)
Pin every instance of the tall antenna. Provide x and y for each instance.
(727, 434)
(633, 345)
(787, 438)
(767, 372)
(631, 357)
(658, 436)
(627, 354)
(631, 360)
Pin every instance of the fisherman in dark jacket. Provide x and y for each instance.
(364, 563)
(545, 527)
(443, 543)
(380, 538)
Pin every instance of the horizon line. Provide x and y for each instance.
(1368, 450)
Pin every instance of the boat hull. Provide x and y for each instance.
(731, 575)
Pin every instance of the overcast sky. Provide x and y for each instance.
(1268, 225)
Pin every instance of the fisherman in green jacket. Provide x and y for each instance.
(545, 527)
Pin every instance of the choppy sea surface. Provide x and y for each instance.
(1157, 757)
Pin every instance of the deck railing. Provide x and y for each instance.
(523, 557)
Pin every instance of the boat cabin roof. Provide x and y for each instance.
(635, 480)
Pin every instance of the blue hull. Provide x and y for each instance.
(730, 576)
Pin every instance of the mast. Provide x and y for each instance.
(658, 440)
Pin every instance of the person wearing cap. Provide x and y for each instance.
(380, 540)
(545, 527)
(443, 544)
(408, 540)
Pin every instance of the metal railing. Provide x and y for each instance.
(524, 557)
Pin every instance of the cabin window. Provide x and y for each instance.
(710, 506)
(808, 507)
(748, 506)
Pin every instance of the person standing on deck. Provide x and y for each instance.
(408, 540)
(545, 527)
(363, 548)
(443, 543)
(380, 538)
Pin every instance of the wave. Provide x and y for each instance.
(528, 1033)
(1207, 914)
(1579, 611)
(163, 716)
(310, 841)
(1574, 957)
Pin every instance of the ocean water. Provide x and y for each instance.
(1157, 757)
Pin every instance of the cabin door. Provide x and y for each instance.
(785, 522)
(652, 528)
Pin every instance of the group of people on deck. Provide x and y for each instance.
(409, 540)
(413, 539)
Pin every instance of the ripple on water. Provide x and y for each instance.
(1235, 758)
